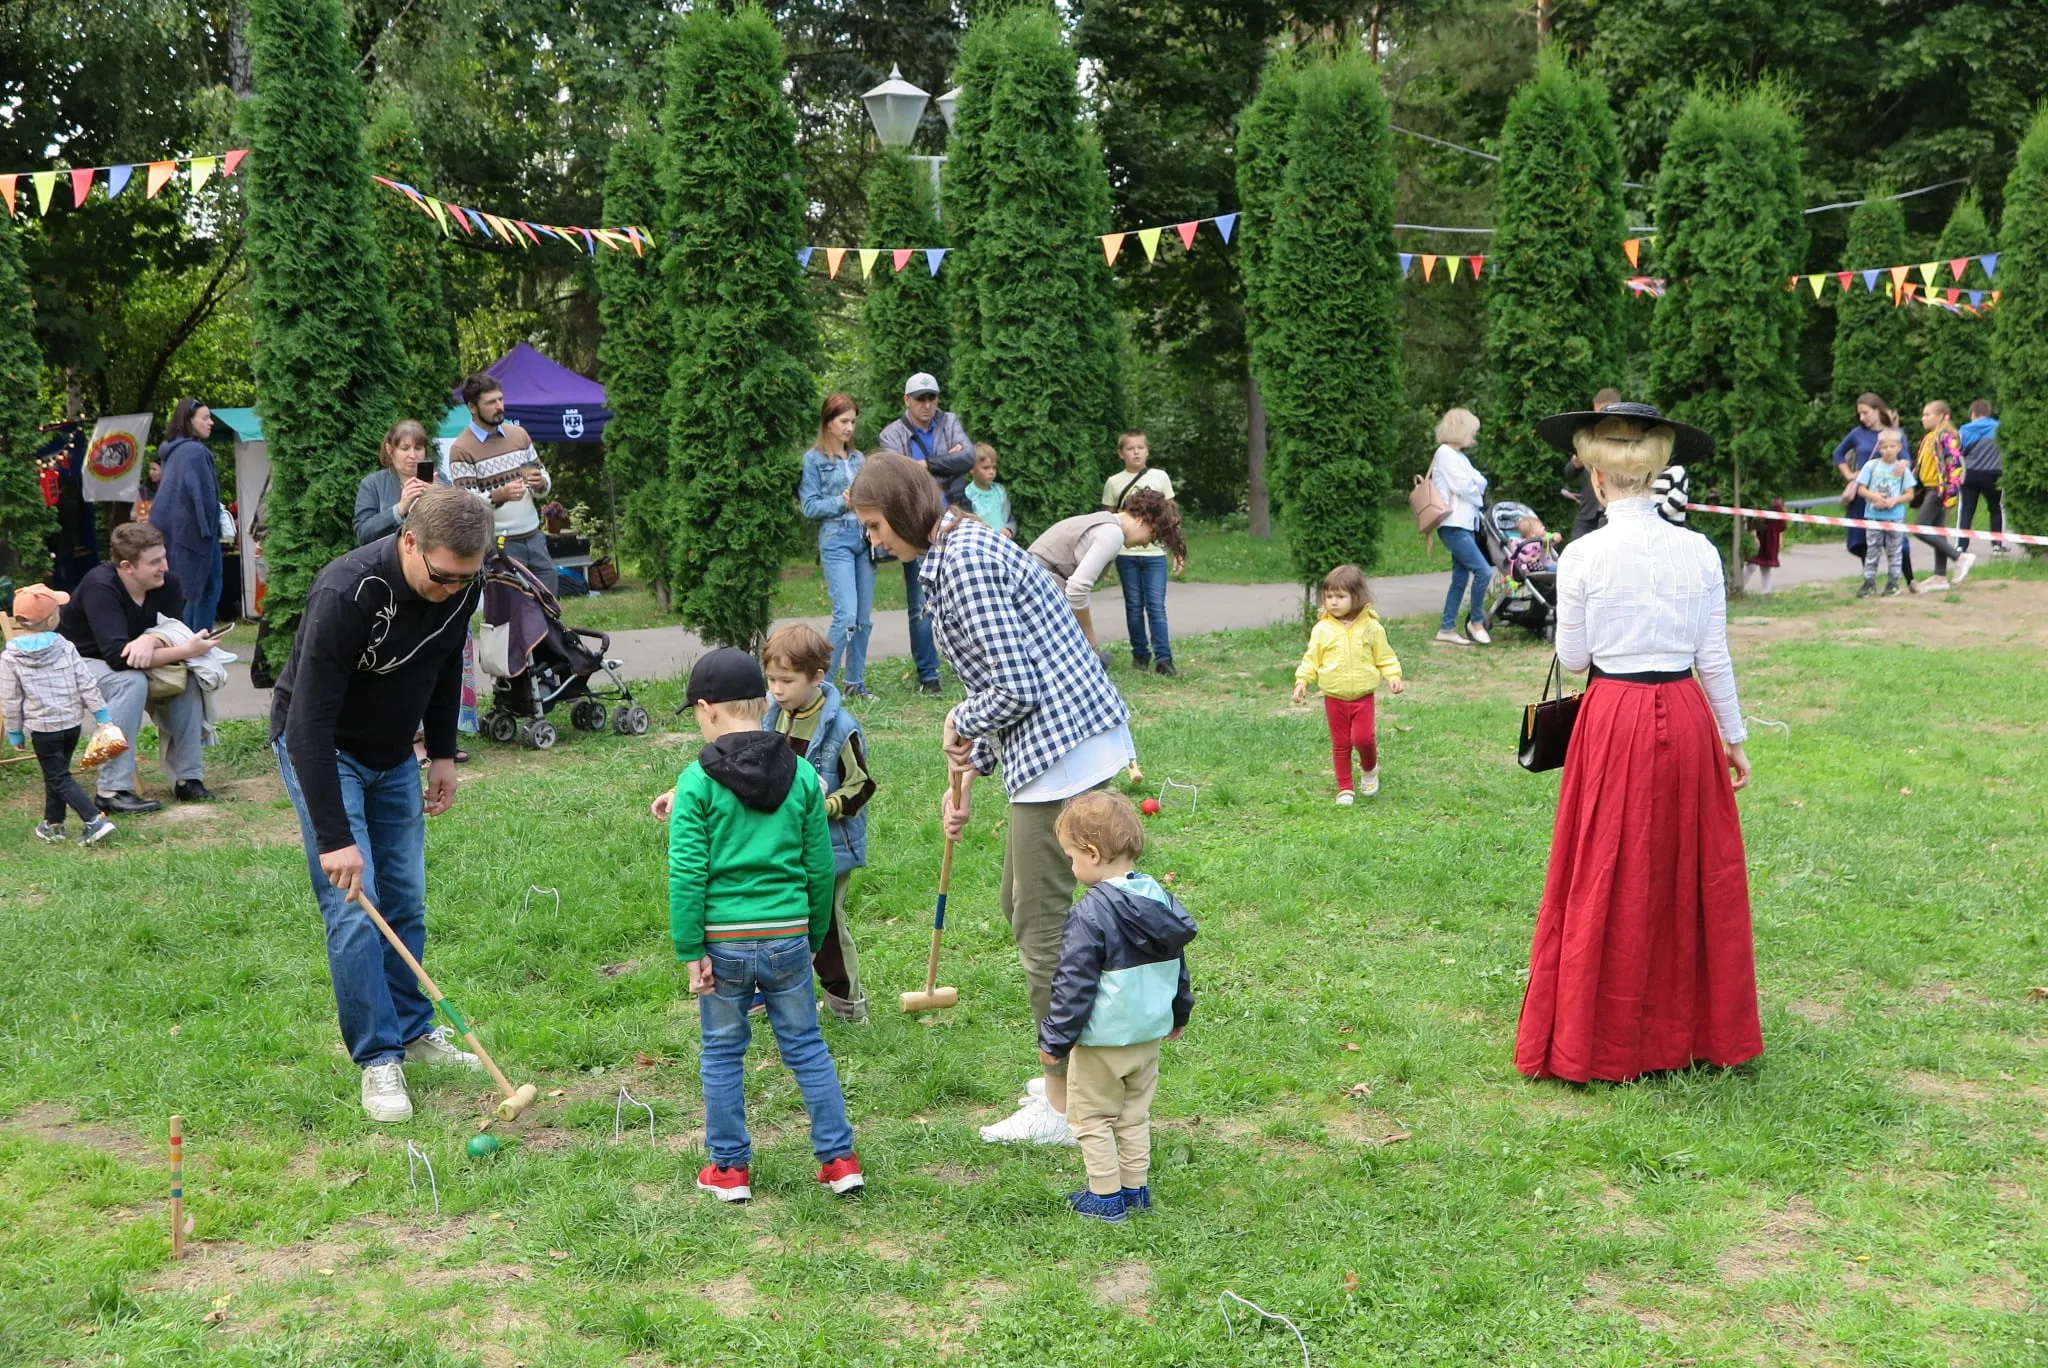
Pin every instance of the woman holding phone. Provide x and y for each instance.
(406, 470)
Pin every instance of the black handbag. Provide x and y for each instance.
(1547, 724)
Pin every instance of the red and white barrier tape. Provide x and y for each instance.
(1932, 528)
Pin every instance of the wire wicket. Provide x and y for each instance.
(619, 1114)
(1228, 1297)
(414, 1158)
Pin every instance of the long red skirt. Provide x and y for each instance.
(1643, 958)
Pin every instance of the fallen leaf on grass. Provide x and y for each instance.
(174, 1030)
(644, 1060)
(326, 1272)
(1447, 961)
(557, 1092)
(1396, 1138)
(2037, 994)
(1352, 1046)
(2004, 1077)
(1350, 1281)
(558, 1253)
(1359, 1090)
(214, 1317)
(1346, 1030)
(94, 1329)
(1905, 793)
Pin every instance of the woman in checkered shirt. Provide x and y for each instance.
(1039, 707)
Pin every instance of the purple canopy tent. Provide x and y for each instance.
(552, 402)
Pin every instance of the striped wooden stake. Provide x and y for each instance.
(177, 1187)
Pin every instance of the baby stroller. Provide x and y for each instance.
(1518, 596)
(537, 662)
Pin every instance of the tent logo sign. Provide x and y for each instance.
(572, 423)
(112, 456)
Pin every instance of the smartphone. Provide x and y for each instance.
(423, 470)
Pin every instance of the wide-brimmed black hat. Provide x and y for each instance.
(1690, 444)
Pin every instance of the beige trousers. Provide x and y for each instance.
(1109, 1105)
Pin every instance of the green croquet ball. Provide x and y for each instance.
(482, 1145)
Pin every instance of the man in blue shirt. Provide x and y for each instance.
(929, 434)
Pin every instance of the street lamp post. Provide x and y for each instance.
(896, 107)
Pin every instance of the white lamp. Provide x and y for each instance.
(946, 103)
(895, 107)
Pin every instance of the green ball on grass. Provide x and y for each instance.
(482, 1145)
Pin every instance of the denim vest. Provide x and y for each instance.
(825, 479)
(835, 725)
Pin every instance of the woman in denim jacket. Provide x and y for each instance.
(829, 468)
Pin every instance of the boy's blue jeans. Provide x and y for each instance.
(1144, 583)
(378, 1000)
(781, 970)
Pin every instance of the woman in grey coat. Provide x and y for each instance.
(386, 493)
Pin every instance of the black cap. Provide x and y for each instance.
(726, 675)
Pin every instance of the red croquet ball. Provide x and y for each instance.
(1149, 806)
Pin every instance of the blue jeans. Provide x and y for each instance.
(380, 1005)
(781, 970)
(1144, 582)
(850, 580)
(1467, 563)
(199, 610)
(923, 651)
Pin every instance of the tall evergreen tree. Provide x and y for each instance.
(2019, 339)
(325, 355)
(1262, 134)
(1955, 365)
(904, 325)
(412, 269)
(1035, 368)
(1873, 344)
(1327, 356)
(24, 518)
(1555, 306)
(740, 388)
(1724, 342)
(633, 352)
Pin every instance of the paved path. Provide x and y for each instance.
(1192, 609)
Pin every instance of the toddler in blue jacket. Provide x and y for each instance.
(1121, 987)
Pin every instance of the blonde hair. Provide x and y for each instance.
(800, 648)
(744, 709)
(1531, 526)
(1457, 428)
(1104, 823)
(1897, 434)
(1628, 451)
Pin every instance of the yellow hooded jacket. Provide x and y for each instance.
(1348, 660)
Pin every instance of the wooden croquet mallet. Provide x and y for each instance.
(933, 995)
(177, 1187)
(516, 1100)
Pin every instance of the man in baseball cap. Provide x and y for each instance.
(929, 434)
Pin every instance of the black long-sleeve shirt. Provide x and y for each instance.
(102, 619)
(372, 661)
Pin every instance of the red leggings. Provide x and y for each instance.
(1351, 728)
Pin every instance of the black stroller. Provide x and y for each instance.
(537, 662)
(1518, 596)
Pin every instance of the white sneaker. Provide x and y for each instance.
(1964, 564)
(1918, 586)
(1933, 584)
(1450, 638)
(384, 1095)
(1477, 631)
(1345, 798)
(1371, 785)
(1035, 1123)
(1035, 1088)
(438, 1047)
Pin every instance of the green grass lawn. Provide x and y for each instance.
(1340, 1137)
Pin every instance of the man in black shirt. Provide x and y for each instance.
(108, 620)
(378, 653)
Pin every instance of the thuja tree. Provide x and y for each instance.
(904, 327)
(2019, 348)
(633, 353)
(1555, 321)
(740, 387)
(1955, 365)
(1873, 347)
(1724, 343)
(1035, 367)
(423, 323)
(24, 519)
(324, 350)
(1262, 133)
(1328, 358)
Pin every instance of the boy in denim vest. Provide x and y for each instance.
(808, 712)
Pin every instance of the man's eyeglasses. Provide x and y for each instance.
(438, 577)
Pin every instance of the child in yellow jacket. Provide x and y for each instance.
(1347, 657)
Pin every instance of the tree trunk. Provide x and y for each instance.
(1255, 463)
(1542, 23)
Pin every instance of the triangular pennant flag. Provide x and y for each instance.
(1989, 262)
(160, 174)
(833, 256)
(1870, 280)
(534, 237)
(117, 179)
(1899, 274)
(1996, 293)
(1187, 234)
(1976, 298)
(1791, 283)
(1928, 269)
(1816, 283)
(1956, 267)
(407, 190)
(440, 214)
(1112, 243)
(902, 256)
(868, 257)
(803, 257)
(1451, 264)
(1148, 238)
(483, 229)
(1844, 277)
(202, 167)
(1407, 260)
(46, 185)
(1428, 265)
(232, 160)
(639, 242)
(1634, 248)
(589, 243)
(7, 193)
(1477, 263)
(1224, 223)
(1953, 295)
(81, 185)
(933, 256)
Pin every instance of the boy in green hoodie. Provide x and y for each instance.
(750, 875)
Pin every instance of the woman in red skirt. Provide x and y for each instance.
(1642, 959)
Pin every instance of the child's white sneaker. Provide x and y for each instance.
(1933, 584)
(51, 831)
(1964, 564)
(1345, 798)
(1371, 785)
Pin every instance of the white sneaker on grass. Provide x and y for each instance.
(1035, 1088)
(1477, 631)
(1964, 564)
(1933, 584)
(1345, 798)
(1035, 1123)
(438, 1047)
(1451, 638)
(1371, 786)
(384, 1095)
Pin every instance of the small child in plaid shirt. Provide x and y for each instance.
(45, 692)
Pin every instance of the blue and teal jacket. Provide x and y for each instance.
(836, 726)
(1123, 971)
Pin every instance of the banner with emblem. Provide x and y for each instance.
(113, 459)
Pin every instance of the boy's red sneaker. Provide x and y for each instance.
(842, 1176)
(726, 1184)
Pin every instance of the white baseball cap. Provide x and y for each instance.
(921, 383)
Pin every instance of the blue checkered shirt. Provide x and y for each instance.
(1035, 688)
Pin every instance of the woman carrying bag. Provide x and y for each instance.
(1642, 958)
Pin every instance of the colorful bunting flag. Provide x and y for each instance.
(1899, 274)
(1953, 295)
(1634, 248)
(1928, 270)
(1187, 234)
(1407, 260)
(46, 185)
(933, 256)
(1956, 267)
(803, 257)
(1451, 263)
(202, 167)
(7, 193)
(1976, 299)
(117, 179)
(868, 257)
(440, 214)
(81, 186)
(1428, 265)
(1224, 223)
(1148, 238)
(589, 244)
(1112, 243)
(160, 173)
(1816, 283)
(1989, 262)
(1870, 280)
(1476, 262)
(1845, 277)
(902, 256)
(833, 256)
(534, 237)
(231, 161)
(639, 243)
